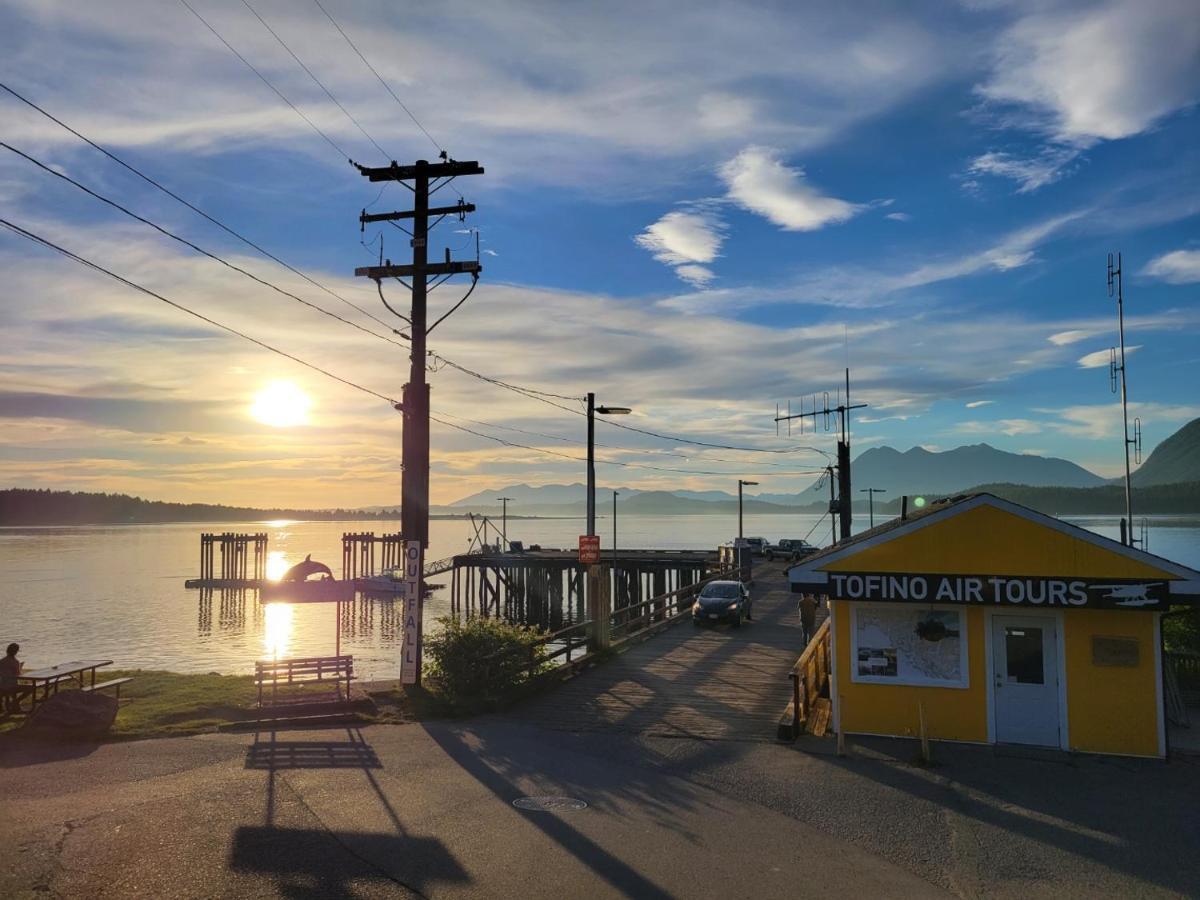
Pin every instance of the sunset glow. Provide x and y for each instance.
(281, 405)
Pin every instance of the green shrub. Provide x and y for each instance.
(477, 662)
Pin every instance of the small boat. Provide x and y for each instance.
(390, 581)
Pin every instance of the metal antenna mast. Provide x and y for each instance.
(1116, 367)
(842, 410)
(414, 500)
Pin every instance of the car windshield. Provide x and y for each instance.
(720, 591)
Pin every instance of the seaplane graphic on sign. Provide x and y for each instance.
(1129, 594)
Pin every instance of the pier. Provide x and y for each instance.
(242, 557)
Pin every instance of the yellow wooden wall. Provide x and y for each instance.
(956, 714)
(1111, 709)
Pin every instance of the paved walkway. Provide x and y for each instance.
(719, 683)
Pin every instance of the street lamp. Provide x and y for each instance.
(742, 484)
(614, 533)
(871, 492)
(504, 521)
(591, 452)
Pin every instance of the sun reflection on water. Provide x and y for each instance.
(277, 629)
(277, 564)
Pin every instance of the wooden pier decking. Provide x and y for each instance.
(717, 683)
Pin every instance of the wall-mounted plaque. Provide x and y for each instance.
(1115, 651)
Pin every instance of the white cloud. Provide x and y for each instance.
(1176, 267)
(899, 217)
(1099, 72)
(1031, 173)
(758, 180)
(1010, 427)
(1062, 338)
(687, 239)
(1103, 421)
(1099, 358)
(975, 404)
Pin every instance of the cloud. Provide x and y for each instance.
(976, 404)
(1103, 421)
(687, 239)
(1010, 427)
(1176, 267)
(1030, 173)
(758, 180)
(1098, 72)
(1062, 338)
(899, 217)
(1100, 358)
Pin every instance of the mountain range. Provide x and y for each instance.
(917, 471)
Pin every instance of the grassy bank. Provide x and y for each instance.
(168, 704)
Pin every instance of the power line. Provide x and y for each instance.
(227, 229)
(386, 87)
(310, 74)
(609, 462)
(265, 81)
(38, 239)
(41, 165)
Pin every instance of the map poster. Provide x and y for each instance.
(902, 645)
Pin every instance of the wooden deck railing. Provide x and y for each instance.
(657, 610)
(810, 677)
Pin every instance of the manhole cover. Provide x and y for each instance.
(549, 804)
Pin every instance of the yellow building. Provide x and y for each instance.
(997, 624)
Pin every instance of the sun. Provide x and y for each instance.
(281, 405)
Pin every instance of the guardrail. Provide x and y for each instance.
(810, 677)
(657, 609)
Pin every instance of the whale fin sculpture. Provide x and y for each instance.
(302, 570)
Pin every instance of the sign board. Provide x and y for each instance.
(1115, 651)
(410, 650)
(994, 590)
(589, 549)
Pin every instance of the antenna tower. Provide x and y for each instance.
(1116, 379)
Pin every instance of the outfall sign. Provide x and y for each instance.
(998, 590)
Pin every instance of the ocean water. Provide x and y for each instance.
(116, 592)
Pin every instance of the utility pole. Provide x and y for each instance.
(871, 492)
(833, 505)
(1116, 372)
(842, 410)
(592, 410)
(504, 521)
(414, 499)
(742, 483)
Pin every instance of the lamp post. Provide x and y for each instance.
(742, 484)
(504, 521)
(871, 492)
(614, 532)
(591, 453)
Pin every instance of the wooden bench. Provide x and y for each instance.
(286, 673)
(105, 685)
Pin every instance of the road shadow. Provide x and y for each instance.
(18, 749)
(275, 754)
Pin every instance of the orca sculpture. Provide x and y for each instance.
(302, 570)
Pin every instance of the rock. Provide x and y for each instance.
(73, 715)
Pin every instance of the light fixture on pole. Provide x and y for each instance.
(741, 484)
(614, 533)
(592, 409)
(504, 521)
(871, 492)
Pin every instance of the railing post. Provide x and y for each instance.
(795, 704)
(599, 611)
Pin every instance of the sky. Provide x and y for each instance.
(698, 211)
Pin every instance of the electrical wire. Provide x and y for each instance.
(45, 168)
(607, 462)
(38, 239)
(386, 87)
(227, 229)
(265, 81)
(316, 80)
(454, 308)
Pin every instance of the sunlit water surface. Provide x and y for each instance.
(117, 591)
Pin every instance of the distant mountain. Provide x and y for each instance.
(920, 471)
(1175, 460)
(535, 495)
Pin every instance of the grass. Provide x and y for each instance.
(170, 704)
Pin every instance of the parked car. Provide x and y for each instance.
(790, 548)
(722, 601)
(757, 545)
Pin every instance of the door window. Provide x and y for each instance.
(1023, 649)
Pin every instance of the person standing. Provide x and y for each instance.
(10, 671)
(808, 617)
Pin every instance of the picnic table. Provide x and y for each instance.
(49, 679)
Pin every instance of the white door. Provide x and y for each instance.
(1025, 680)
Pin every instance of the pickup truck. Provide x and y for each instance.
(790, 548)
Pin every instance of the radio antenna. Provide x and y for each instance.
(1116, 377)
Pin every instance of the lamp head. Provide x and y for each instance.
(613, 410)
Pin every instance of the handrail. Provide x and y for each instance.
(661, 601)
(809, 676)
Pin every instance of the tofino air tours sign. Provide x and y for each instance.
(993, 590)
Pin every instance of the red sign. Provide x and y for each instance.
(589, 549)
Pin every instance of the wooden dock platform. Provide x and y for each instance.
(716, 683)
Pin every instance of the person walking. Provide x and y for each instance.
(10, 671)
(808, 617)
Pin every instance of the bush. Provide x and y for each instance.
(479, 662)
